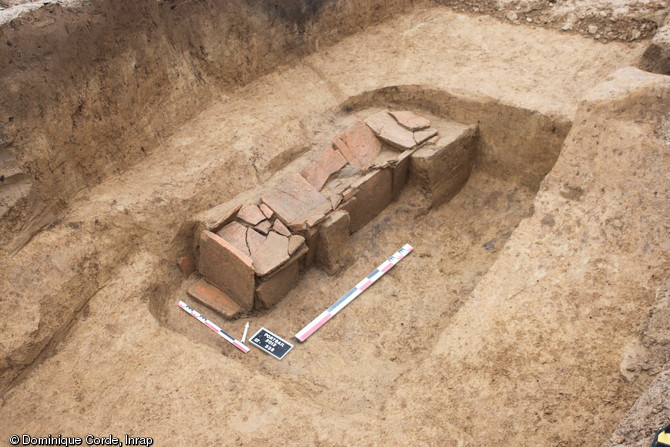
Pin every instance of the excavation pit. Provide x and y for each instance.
(495, 166)
(530, 312)
(251, 252)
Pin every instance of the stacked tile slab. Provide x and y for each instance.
(251, 256)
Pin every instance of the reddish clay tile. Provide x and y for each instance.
(251, 214)
(236, 234)
(300, 254)
(358, 144)
(424, 135)
(215, 299)
(294, 243)
(331, 160)
(281, 228)
(410, 120)
(223, 219)
(266, 210)
(186, 264)
(334, 248)
(270, 254)
(316, 220)
(263, 227)
(275, 287)
(326, 164)
(254, 239)
(375, 192)
(389, 131)
(227, 268)
(315, 175)
(442, 169)
(295, 201)
(377, 121)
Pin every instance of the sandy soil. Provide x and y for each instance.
(599, 19)
(445, 349)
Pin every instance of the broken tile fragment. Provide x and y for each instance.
(223, 218)
(316, 219)
(215, 299)
(294, 201)
(335, 200)
(251, 214)
(266, 210)
(186, 264)
(389, 131)
(264, 227)
(377, 121)
(315, 175)
(323, 167)
(227, 268)
(336, 186)
(334, 249)
(270, 254)
(385, 159)
(214, 219)
(358, 144)
(275, 287)
(254, 239)
(281, 228)
(294, 243)
(236, 234)
(410, 120)
(331, 160)
(424, 135)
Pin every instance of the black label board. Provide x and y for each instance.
(271, 343)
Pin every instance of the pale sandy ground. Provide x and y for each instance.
(366, 377)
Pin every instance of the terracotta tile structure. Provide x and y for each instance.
(250, 256)
(326, 164)
(251, 214)
(358, 144)
(390, 131)
(215, 299)
(410, 120)
(227, 268)
(295, 201)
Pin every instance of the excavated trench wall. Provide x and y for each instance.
(98, 86)
(90, 89)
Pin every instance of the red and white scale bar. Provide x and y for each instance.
(195, 314)
(353, 293)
